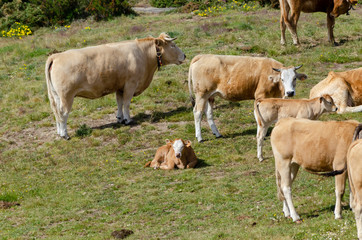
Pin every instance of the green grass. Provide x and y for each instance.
(95, 183)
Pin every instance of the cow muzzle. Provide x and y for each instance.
(290, 93)
(178, 155)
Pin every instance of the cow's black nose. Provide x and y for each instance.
(290, 93)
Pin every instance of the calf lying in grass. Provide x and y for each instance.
(177, 153)
(269, 110)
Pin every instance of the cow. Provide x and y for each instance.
(354, 166)
(333, 8)
(177, 153)
(126, 68)
(317, 147)
(344, 87)
(236, 78)
(269, 110)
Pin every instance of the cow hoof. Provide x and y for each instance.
(66, 137)
(299, 221)
(261, 159)
(128, 123)
(200, 140)
(220, 136)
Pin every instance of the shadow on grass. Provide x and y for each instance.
(201, 163)
(326, 209)
(143, 117)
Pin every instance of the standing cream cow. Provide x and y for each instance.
(315, 146)
(236, 78)
(344, 87)
(126, 68)
(354, 165)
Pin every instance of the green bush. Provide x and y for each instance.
(38, 13)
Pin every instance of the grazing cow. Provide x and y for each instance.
(354, 165)
(333, 8)
(344, 87)
(236, 78)
(177, 153)
(317, 147)
(269, 110)
(126, 68)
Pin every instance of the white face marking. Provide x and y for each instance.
(288, 77)
(178, 146)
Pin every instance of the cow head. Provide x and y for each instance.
(288, 78)
(168, 51)
(342, 7)
(179, 145)
(327, 103)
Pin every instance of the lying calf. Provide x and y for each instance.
(269, 110)
(177, 153)
(315, 146)
(354, 165)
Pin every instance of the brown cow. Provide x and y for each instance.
(333, 8)
(236, 78)
(354, 165)
(177, 153)
(317, 147)
(126, 68)
(269, 110)
(344, 87)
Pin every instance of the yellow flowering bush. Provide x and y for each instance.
(18, 32)
(222, 5)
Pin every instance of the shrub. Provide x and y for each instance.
(38, 13)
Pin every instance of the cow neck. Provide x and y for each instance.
(148, 47)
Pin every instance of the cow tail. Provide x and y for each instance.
(330, 174)
(357, 132)
(148, 164)
(52, 94)
(279, 189)
(259, 118)
(192, 99)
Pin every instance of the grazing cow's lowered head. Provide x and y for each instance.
(288, 77)
(342, 7)
(167, 51)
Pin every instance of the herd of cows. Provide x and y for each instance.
(331, 148)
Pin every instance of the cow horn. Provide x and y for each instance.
(170, 39)
(296, 68)
(356, 134)
(276, 69)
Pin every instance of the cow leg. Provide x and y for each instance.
(64, 110)
(119, 97)
(354, 109)
(358, 217)
(198, 109)
(292, 26)
(286, 170)
(128, 93)
(340, 181)
(209, 116)
(330, 26)
(261, 133)
(283, 14)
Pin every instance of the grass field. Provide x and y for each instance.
(95, 183)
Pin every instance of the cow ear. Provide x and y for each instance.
(302, 76)
(321, 99)
(188, 143)
(274, 78)
(159, 42)
(167, 141)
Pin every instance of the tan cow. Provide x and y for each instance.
(333, 8)
(317, 147)
(269, 110)
(344, 87)
(126, 68)
(354, 165)
(236, 78)
(177, 153)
